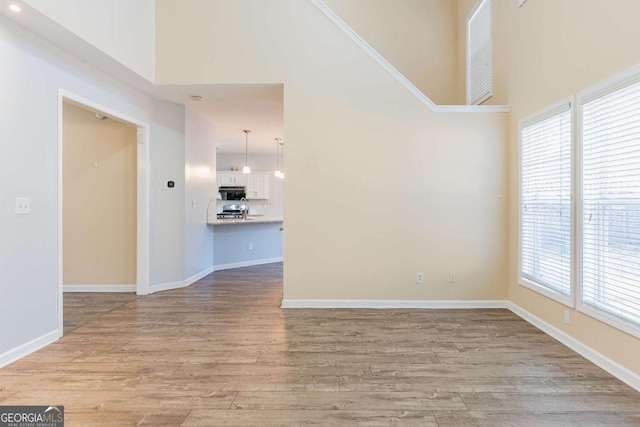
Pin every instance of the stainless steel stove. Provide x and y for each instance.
(230, 215)
(233, 211)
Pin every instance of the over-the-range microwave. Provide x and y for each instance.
(232, 193)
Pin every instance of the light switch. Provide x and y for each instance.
(23, 206)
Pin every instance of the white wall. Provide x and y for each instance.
(167, 213)
(123, 29)
(200, 186)
(31, 74)
(258, 163)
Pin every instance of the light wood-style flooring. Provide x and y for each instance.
(221, 352)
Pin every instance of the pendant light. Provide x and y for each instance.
(281, 176)
(246, 168)
(278, 172)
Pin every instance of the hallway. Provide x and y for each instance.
(222, 352)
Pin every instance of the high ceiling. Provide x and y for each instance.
(232, 108)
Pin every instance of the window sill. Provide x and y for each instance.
(566, 300)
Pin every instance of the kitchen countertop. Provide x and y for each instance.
(257, 219)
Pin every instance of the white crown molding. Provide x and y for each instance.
(45, 28)
(382, 304)
(246, 263)
(99, 288)
(399, 76)
(29, 347)
(623, 374)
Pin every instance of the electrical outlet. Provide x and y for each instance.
(194, 203)
(250, 247)
(567, 317)
(420, 277)
(452, 278)
(23, 206)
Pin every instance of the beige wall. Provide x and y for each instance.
(556, 49)
(500, 38)
(99, 220)
(423, 189)
(416, 36)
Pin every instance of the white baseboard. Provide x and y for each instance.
(614, 368)
(246, 263)
(424, 304)
(27, 348)
(99, 288)
(166, 286)
(198, 276)
(181, 283)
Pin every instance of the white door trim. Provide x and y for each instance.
(143, 193)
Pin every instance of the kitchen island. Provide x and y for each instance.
(242, 243)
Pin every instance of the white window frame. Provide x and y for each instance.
(557, 108)
(585, 96)
(473, 12)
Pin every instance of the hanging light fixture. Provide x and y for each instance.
(246, 168)
(281, 176)
(278, 172)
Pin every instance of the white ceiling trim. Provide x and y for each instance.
(399, 76)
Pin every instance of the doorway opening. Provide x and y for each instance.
(248, 213)
(103, 201)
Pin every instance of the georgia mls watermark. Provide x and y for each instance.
(31, 416)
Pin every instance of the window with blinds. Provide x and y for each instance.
(611, 203)
(545, 204)
(479, 54)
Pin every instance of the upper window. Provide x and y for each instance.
(479, 54)
(545, 204)
(611, 203)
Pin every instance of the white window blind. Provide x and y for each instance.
(611, 203)
(545, 211)
(479, 54)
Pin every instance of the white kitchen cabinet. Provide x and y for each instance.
(231, 179)
(258, 186)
